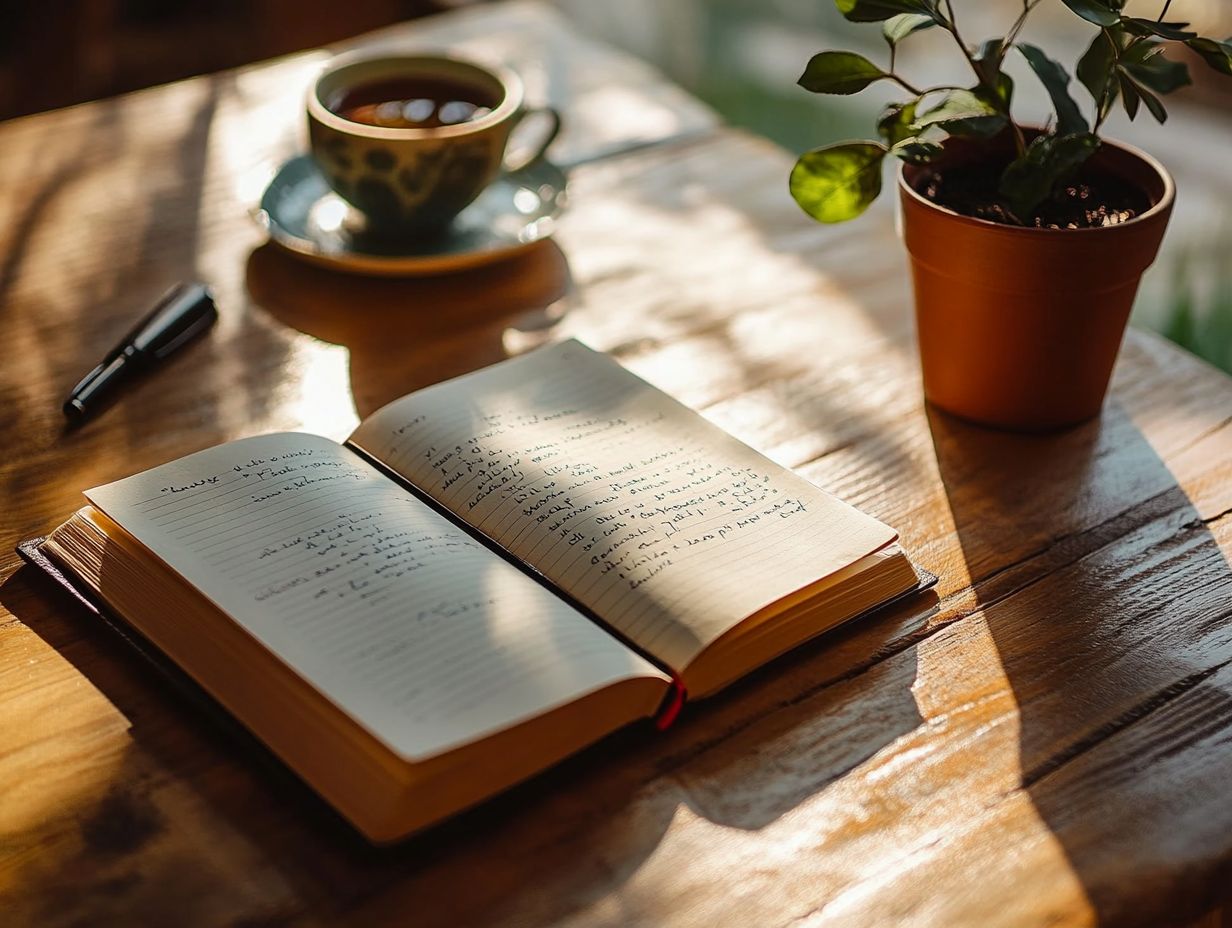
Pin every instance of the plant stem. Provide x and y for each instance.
(1027, 7)
(1102, 106)
(1164, 11)
(952, 27)
(916, 91)
(910, 88)
(1020, 142)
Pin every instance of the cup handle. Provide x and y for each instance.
(523, 161)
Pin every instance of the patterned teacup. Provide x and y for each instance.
(410, 140)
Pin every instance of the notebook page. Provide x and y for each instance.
(664, 525)
(409, 625)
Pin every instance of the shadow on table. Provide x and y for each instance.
(185, 807)
(407, 333)
(1126, 621)
(193, 785)
(185, 753)
(86, 256)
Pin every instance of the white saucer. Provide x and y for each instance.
(306, 218)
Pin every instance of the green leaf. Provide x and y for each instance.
(1095, 11)
(1153, 104)
(1143, 69)
(1056, 81)
(963, 112)
(917, 151)
(988, 59)
(1003, 93)
(894, 123)
(875, 11)
(1175, 31)
(1217, 54)
(1146, 64)
(839, 73)
(838, 183)
(1049, 161)
(897, 28)
(1097, 65)
(1129, 96)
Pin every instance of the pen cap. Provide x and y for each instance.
(184, 311)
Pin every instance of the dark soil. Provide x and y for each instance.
(1090, 201)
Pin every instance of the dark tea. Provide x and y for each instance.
(413, 103)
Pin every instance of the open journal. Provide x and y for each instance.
(489, 575)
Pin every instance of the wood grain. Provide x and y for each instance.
(1045, 742)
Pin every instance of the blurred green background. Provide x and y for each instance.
(743, 57)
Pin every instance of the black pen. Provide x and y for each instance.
(183, 313)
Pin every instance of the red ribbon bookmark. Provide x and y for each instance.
(673, 702)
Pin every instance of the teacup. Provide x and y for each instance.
(412, 161)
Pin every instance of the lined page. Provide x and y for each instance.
(409, 625)
(664, 525)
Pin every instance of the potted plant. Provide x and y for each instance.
(1026, 243)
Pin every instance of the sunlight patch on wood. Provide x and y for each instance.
(45, 777)
(322, 377)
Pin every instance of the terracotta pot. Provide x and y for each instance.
(1019, 328)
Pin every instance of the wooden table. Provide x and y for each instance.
(1050, 742)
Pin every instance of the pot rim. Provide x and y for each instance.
(1164, 204)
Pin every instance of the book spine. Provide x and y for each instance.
(528, 569)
